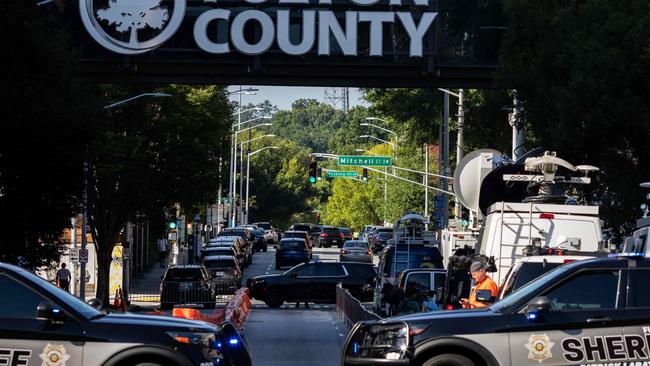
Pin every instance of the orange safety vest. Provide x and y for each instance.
(487, 284)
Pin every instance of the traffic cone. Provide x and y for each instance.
(116, 302)
(122, 301)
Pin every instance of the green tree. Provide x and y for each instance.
(151, 154)
(581, 73)
(43, 128)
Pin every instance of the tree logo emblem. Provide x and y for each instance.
(131, 27)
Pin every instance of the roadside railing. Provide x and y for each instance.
(350, 309)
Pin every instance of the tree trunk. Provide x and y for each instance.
(104, 248)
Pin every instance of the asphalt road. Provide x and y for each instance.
(290, 336)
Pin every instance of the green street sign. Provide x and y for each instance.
(335, 173)
(385, 161)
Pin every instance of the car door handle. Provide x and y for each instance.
(602, 319)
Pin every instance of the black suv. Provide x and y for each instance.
(42, 324)
(330, 236)
(313, 282)
(592, 311)
(187, 285)
(225, 272)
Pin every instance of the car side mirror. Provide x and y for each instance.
(484, 296)
(46, 310)
(96, 303)
(536, 307)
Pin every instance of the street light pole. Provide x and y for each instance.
(248, 169)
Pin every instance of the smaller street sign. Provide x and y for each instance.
(83, 255)
(336, 173)
(385, 161)
(74, 255)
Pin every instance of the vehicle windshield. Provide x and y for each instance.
(355, 244)
(224, 251)
(264, 226)
(345, 230)
(301, 228)
(527, 272)
(183, 274)
(79, 306)
(292, 244)
(293, 269)
(529, 289)
(220, 263)
(385, 234)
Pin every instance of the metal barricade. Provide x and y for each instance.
(350, 309)
(175, 293)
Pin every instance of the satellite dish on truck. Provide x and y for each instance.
(471, 171)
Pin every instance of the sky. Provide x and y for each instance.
(283, 96)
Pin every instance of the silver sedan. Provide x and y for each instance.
(356, 251)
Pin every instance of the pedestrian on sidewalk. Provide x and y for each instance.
(63, 277)
(162, 251)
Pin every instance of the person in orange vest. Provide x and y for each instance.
(483, 282)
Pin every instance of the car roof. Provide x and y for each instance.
(554, 258)
(219, 257)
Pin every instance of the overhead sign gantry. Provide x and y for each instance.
(389, 43)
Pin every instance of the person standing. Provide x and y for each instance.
(63, 277)
(483, 282)
(162, 251)
(409, 304)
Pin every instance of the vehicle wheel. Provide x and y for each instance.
(449, 359)
(274, 299)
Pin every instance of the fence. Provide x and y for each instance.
(149, 292)
(350, 308)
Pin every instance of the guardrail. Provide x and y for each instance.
(350, 309)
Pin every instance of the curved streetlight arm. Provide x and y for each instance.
(377, 127)
(247, 91)
(378, 139)
(248, 110)
(449, 92)
(155, 95)
(256, 138)
(250, 120)
(367, 151)
(251, 127)
(262, 149)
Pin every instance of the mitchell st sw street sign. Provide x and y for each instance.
(383, 161)
(287, 42)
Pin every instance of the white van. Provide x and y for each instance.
(510, 227)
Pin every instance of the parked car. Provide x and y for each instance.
(41, 324)
(225, 272)
(270, 234)
(329, 237)
(347, 233)
(225, 249)
(379, 236)
(291, 252)
(187, 285)
(246, 234)
(247, 243)
(260, 237)
(301, 227)
(356, 251)
(243, 250)
(299, 234)
(314, 282)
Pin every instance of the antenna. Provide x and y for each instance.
(338, 98)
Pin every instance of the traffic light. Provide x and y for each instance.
(319, 173)
(313, 167)
(364, 175)
(172, 225)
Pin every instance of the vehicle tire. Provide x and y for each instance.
(449, 359)
(274, 299)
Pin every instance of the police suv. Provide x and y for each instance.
(588, 312)
(41, 324)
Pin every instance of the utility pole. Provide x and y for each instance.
(445, 159)
(426, 183)
(460, 144)
(84, 223)
(518, 133)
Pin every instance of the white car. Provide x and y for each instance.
(270, 235)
